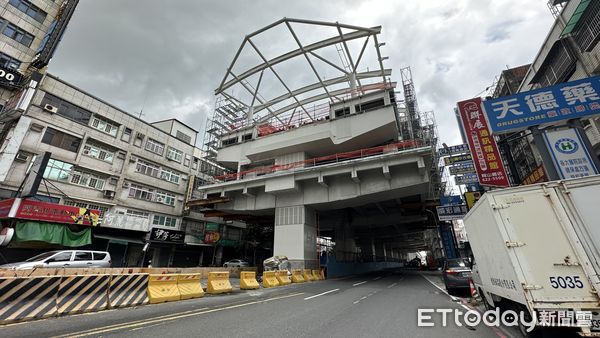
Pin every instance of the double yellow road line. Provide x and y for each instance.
(162, 319)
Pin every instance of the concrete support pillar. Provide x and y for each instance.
(380, 250)
(373, 250)
(296, 236)
(344, 241)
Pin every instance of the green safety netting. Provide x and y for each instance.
(51, 233)
(575, 17)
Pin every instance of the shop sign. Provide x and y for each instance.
(451, 212)
(569, 154)
(456, 159)
(56, 213)
(538, 175)
(458, 149)
(166, 235)
(211, 237)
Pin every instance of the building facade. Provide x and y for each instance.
(137, 174)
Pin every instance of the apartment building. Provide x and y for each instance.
(137, 174)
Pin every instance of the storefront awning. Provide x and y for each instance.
(26, 231)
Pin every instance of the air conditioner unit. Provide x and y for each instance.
(180, 199)
(159, 200)
(125, 184)
(113, 180)
(50, 108)
(121, 154)
(22, 156)
(132, 159)
(86, 151)
(109, 194)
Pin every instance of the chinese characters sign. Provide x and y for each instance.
(462, 168)
(458, 149)
(458, 158)
(569, 155)
(451, 212)
(466, 179)
(166, 235)
(486, 157)
(567, 100)
(538, 175)
(57, 213)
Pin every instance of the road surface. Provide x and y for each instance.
(382, 304)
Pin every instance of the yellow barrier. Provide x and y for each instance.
(248, 280)
(308, 275)
(189, 286)
(269, 279)
(316, 275)
(297, 276)
(282, 277)
(163, 288)
(218, 282)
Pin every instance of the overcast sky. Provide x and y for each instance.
(169, 56)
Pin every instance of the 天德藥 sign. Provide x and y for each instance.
(459, 149)
(451, 212)
(462, 168)
(569, 154)
(466, 179)
(564, 101)
(484, 151)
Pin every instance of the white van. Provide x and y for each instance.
(64, 259)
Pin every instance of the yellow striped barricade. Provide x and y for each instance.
(297, 276)
(84, 293)
(128, 290)
(283, 278)
(27, 298)
(162, 288)
(218, 282)
(248, 280)
(316, 275)
(269, 279)
(189, 286)
(308, 275)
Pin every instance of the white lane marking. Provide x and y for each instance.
(392, 285)
(444, 291)
(359, 283)
(377, 278)
(321, 294)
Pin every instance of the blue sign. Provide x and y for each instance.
(448, 200)
(466, 179)
(447, 238)
(459, 149)
(564, 101)
(462, 168)
(451, 212)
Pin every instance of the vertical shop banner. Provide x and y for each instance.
(486, 157)
(569, 154)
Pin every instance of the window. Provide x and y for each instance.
(61, 257)
(147, 168)
(59, 139)
(67, 109)
(83, 256)
(165, 198)
(164, 221)
(105, 126)
(87, 180)
(195, 164)
(370, 105)
(342, 112)
(140, 192)
(30, 9)
(138, 214)
(187, 160)
(139, 139)
(58, 171)
(126, 137)
(169, 175)
(18, 34)
(9, 62)
(174, 154)
(98, 152)
(246, 137)
(102, 209)
(184, 137)
(154, 146)
(229, 141)
(98, 256)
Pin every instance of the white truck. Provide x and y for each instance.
(537, 251)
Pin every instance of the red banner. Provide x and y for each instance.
(5, 206)
(484, 150)
(57, 213)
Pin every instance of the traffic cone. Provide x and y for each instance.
(474, 293)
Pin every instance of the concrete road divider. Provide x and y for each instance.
(27, 298)
(316, 275)
(297, 276)
(248, 280)
(79, 294)
(128, 290)
(163, 288)
(189, 286)
(308, 275)
(282, 277)
(218, 282)
(269, 279)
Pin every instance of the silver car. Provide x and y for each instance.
(236, 263)
(64, 259)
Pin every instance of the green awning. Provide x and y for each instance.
(575, 17)
(51, 233)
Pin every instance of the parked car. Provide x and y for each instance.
(236, 263)
(457, 273)
(64, 259)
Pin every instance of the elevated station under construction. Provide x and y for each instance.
(323, 145)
